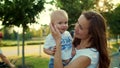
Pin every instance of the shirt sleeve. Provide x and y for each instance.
(49, 42)
(69, 35)
(92, 54)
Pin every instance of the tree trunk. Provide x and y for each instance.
(23, 57)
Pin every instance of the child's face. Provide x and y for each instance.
(61, 24)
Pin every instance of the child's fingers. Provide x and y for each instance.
(54, 49)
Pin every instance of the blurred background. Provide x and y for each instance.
(24, 24)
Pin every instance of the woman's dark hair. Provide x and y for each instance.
(97, 30)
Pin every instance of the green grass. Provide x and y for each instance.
(34, 62)
(8, 43)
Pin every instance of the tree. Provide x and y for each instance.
(20, 13)
(75, 7)
(113, 19)
(114, 25)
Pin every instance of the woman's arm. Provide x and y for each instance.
(57, 37)
(80, 62)
(73, 51)
(57, 57)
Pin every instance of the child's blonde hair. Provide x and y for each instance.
(57, 14)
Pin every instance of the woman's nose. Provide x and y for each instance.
(76, 25)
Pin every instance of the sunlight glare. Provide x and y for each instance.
(101, 3)
(18, 29)
(116, 2)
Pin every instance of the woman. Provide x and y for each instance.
(89, 40)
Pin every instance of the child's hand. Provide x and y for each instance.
(73, 53)
(54, 50)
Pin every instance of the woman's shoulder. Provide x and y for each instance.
(93, 50)
(88, 51)
(93, 54)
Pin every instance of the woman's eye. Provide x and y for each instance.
(79, 26)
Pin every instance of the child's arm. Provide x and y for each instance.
(49, 52)
(49, 41)
(73, 51)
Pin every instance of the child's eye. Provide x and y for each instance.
(66, 22)
(60, 23)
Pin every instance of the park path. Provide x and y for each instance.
(29, 50)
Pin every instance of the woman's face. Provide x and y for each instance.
(81, 28)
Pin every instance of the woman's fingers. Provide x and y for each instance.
(52, 28)
(56, 29)
(55, 32)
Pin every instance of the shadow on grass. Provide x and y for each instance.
(26, 66)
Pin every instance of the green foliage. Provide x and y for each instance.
(116, 21)
(75, 8)
(6, 43)
(7, 34)
(10, 34)
(21, 12)
(1, 11)
(113, 20)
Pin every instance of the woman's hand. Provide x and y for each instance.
(55, 33)
(57, 37)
